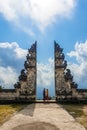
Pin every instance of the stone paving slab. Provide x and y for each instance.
(51, 113)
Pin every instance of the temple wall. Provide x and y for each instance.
(8, 95)
(82, 94)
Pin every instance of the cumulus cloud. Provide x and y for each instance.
(8, 77)
(80, 52)
(17, 51)
(11, 54)
(38, 13)
(11, 62)
(79, 69)
(45, 73)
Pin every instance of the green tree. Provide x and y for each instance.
(0, 87)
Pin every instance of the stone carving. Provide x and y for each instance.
(17, 85)
(26, 65)
(74, 85)
(27, 79)
(23, 75)
(68, 75)
(63, 77)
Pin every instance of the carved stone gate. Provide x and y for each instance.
(64, 85)
(26, 87)
(65, 88)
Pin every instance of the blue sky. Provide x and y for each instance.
(21, 24)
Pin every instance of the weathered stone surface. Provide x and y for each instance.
(62, 86)
(25, 88)
(65, 87)
(28, 88)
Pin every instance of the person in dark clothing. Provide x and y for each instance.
(44, 94)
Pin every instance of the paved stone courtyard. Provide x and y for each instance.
(40, 116)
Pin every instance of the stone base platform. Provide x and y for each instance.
(42, 101)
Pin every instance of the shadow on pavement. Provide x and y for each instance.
(29, 110)
(36, 126)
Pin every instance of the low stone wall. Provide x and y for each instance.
(13, 96)
(10, 96)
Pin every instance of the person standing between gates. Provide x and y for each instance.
(44, 94)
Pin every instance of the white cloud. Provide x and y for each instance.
(80, 52)
(79, 69)
(8, 45)
(11, 62)
(8, 77)
(13, 50)
(45, 74)
(39, 13)
(20, 53)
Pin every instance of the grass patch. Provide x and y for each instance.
(83, 121)
(6, 111)
(77, 111)
(74, 109)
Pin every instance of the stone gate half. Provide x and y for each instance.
(65, 87)
(26, 87)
